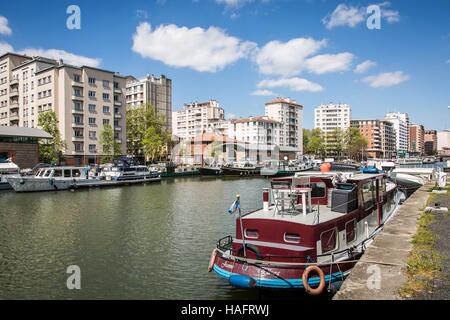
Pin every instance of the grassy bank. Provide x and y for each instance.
(424, 264)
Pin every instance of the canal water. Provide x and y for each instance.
(137, 242)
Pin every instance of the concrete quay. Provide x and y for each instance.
(379, 274)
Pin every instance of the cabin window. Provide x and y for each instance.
(58, 173)
(292, 237)
(47, 173)
(251, 233)
(319, 189)
(328, 240)
(368, 193)
(66, 173)
(350, 231)
(76, 173)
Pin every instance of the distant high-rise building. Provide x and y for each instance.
(290, 114)
(443, 142)
(84, 99)
(197, 118)
(430, 142)
(380, 135)
(416, 139)
(400, 122)
(151, 90)
(329, 117)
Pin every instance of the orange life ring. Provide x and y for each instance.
(305, 278)
(211, 261)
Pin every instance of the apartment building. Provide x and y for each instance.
(443, 142)
(430, 142)
(83, 99)
(256, 130)
(416, 139)
(328, 117)
(197, 118)
(151, 90)
(380, 135)
(400, 122)
(290, 115)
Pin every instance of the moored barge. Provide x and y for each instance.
(309, 236)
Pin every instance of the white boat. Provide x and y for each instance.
(128, 173)
(50, 179)
(409, 161)
(7, 169)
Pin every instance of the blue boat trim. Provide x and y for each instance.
(282, 283)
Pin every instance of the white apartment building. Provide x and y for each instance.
(328, 117)
(83, 99)
(152, 90)
(290, 114)
(400, 122)
(255, 130)
(443, 142)
(197, 118)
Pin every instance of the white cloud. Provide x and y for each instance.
(448, 61)
(67, 57)
(326, 63)
(387, 79)
(5, 47)
(233, 3)
(4, 27)
(287, 58)
(204, 50)
(344, 15)
(364, 66)
(263, 92)
(351, 16)
(294, 84)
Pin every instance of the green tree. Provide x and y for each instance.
(355, 143)
(143, 123)
(110, 147)
(315, 142)
(306, 134)
(50, 149)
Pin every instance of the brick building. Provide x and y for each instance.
(21, 145)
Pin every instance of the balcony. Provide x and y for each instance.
(78, 139)
(13, 116)
(14, 82)
(117, 115)
(117, 103)
(14, 93)
(117, 90)
(117, 128)
(77, 111)
(78, 125)
(77, 84)
(118, 140)
(77, 97)
(14, 105)
(78, 152)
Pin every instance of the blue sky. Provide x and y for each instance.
(237, 50)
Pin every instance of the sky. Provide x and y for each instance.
(244, 53)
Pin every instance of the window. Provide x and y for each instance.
(78, 120)
(91, 80)
(57, 173)
(106, 83)
(328, 240)
(76, 78)
(92, 107)
(251, 233)
(77, 92)
(92, 94)
(350, 231)
(106, 96)
(105, 109)
(76, 173)
(78, 133)
(318, 189)
(105, 121)
(91, 121)
(292, 237)
(66, 173)
(92, 134)
(92, 148)
(368, 194)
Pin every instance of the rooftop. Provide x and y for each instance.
(257, 118)
(23, 132)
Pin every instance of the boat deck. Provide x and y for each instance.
(318, 214)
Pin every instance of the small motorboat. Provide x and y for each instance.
(240, 169)
(7, 169)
